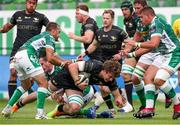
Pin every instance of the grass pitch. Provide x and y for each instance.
(26, 116)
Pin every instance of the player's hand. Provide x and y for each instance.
(130, 42)
(66, 63)
(71, 35)
(119, 102)
(81, 56)
(81, 85)
(116, 57)
(58, 98)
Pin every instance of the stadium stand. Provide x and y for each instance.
(70, 4)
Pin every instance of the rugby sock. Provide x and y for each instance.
(155, 97)
(12, 85)
(141, 94)
(150, 91)
(19, 104)
(17, 94)
(169, 91)
(129, 88)
(41, 96)
(108, 101)
(83, 112)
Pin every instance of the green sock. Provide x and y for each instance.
(141, 94)
(169, 91)
(150, 90)
(83, 112)
(41, 96)
(17, 94)
(155, 97)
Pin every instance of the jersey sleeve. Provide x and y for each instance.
(89, 27)
(112, 85)
(123, 34)
(45, 20)
(92, 66)
(13, 19)
(50, 43)
(156, 29)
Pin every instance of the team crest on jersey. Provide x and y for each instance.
(19, 19)
(113, 38)
(35, 20)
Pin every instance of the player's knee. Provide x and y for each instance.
(135, 80)
(126, 76)
(13, 73)
(161, 76)
(138, 75)
(74, 107)
(75, 102)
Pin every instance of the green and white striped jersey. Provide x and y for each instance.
(169, 41)
(36, 43)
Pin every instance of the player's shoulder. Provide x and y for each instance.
(117, 29)
(39, 14)
(19, 12)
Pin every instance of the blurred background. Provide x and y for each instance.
(70, 4)
(63, 12)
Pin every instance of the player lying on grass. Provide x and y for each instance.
(100, 73)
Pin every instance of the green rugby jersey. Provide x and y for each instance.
(169, 41)
(36, 43)
(142, 29)
(53, 72)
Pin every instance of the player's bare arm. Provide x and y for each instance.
(86, 39)
(6, 27)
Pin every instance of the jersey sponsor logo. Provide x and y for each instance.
(38, 44)
(104, 35)
(27, 17)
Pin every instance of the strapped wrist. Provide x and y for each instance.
(138, 44)
(131, 55)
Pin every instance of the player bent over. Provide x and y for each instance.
(28, 66)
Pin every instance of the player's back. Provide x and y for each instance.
(38, 42)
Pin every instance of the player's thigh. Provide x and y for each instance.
(75, 98)
(150, 74)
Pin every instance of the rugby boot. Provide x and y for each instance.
(6, 112)
(168, 102)
(176, 113)
(146, 113)
(136, 113)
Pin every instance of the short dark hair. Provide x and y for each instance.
(113, 67)
(148, 11)
(142, 2)
(111, 12)
(83, 7)
(52, 25)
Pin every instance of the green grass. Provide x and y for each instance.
(26, 116)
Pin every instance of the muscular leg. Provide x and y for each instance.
(127, 71)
